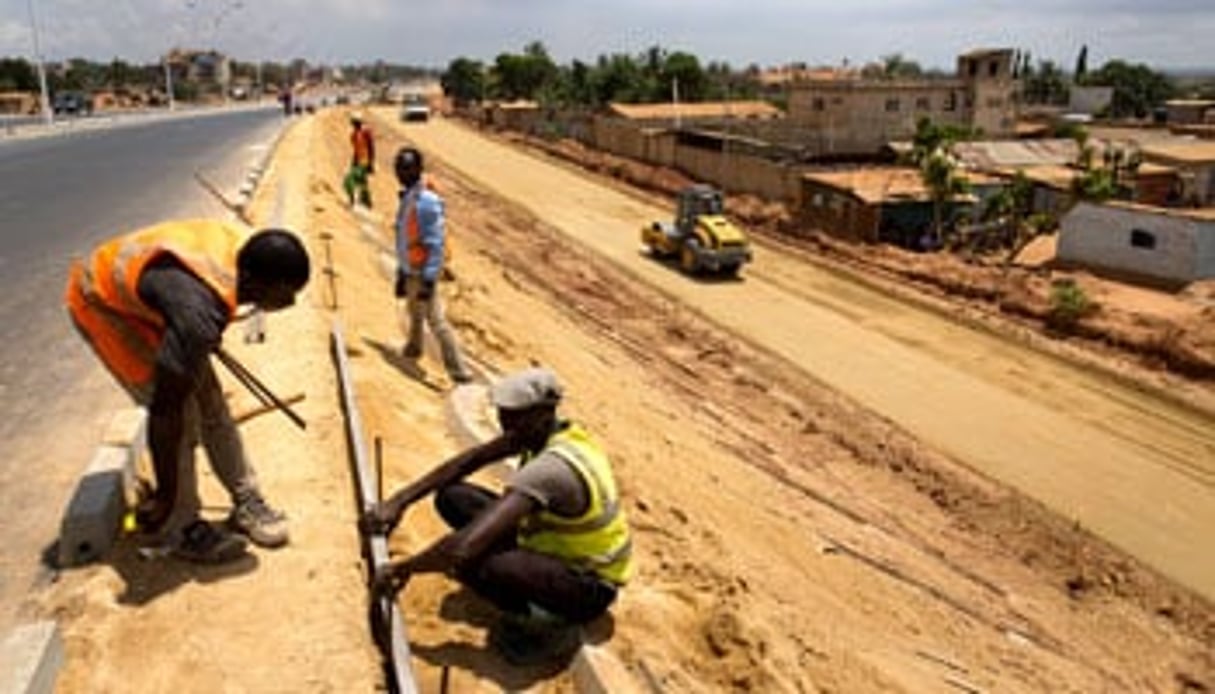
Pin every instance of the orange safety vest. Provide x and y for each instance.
(360, 140)
(103, 290)
(418, 253)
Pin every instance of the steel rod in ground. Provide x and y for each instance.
(387, 623)
(258, 388)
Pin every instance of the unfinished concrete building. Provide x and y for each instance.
(851, 114)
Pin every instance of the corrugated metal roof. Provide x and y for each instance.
(1054, 175)
(875, 185)
(1002, 154)
(713, 109)
(1197, 152)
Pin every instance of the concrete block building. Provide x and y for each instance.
(857, 115)
(1139, 242)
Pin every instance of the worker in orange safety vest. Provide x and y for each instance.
(362, 162)
(153, 305)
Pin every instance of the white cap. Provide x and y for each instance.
(525, 389)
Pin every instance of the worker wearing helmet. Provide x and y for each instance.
(552, 551)
(362, 161)
(421, 244)
(153, 305)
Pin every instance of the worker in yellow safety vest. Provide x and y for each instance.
(153, 305)
(551, 551)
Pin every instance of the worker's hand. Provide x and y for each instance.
(390, 579)
(152, 512)
(427, 291)
(401, 290)
(379, 520)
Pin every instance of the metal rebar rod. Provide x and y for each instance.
(258, 388)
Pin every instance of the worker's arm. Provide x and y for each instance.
(401, 234)
(194, 324)
(432, 233)
(384, 517)
(370, 152)
(456, 549)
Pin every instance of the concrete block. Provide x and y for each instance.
(94, 515)
(129, 428)
(30, 659)
(597, 671)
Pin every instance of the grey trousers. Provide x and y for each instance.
(206, 420)
(430, 312)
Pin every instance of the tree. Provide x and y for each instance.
(1137, 88)
(930, 137)
(1081, 65)
(939, 172)
(618, 78)
(685, 68)
(17, 75)
(1046, 85)
(464, 80)
(523, 76)
(894, 67)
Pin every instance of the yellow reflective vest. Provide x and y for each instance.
(598, 540)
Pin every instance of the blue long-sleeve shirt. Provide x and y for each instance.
(428, 207)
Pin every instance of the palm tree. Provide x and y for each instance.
(939, 171)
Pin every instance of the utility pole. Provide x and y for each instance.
(169, 79)
(48, 115)
(675, 100)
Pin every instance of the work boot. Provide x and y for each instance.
(535, 639)
(253, 518)
(203, 543)
(411, 352)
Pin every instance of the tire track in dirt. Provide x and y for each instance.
(780, 418)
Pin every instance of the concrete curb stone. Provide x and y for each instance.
(30, 659)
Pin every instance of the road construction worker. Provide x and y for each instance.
(552, 551)
(421, 246)
(153, 305)
(362, 161)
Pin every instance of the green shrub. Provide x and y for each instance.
(1068, 304)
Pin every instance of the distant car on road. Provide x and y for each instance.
(415, 109)
(72, 104)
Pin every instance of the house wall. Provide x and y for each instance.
(1188, 113)
(621, 137)
(838, 213)
(1198, 179)
(734, 172)
(863, 116)
(740, 173)
(994, 107)
(1101, 237)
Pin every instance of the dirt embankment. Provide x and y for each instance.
(1173, 331)
(787, 460)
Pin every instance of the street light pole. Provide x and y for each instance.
(169, 78)
(47, 114)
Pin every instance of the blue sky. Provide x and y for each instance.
(1163, 33)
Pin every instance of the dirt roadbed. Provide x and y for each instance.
(788, 539)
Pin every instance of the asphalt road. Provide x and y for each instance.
(59, 195)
